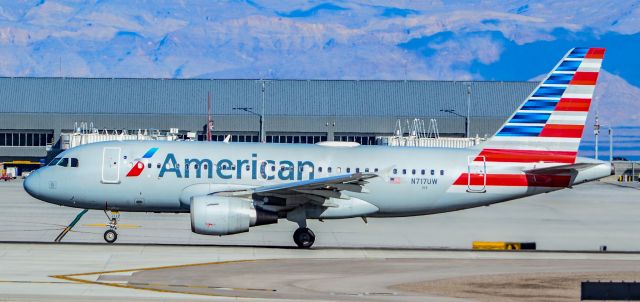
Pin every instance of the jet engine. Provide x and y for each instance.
(223, 215)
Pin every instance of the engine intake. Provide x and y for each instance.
(223, 215)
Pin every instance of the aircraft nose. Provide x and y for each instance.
(32, 184)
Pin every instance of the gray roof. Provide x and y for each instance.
(283, 97)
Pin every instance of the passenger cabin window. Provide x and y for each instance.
(366, 170)
(395, 171)
(64, 162)
(404, 171)
(158, 166)
(54, 161)
(329, 170)
(357, 170)
(375, 170)
(348, 170)
(149, 165)
(74, 163)
(433, 172)
(441, 172)
(413, 171)
(320, 169)
(422, 172)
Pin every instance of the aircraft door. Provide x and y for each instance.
(476, 174)
(111, 165)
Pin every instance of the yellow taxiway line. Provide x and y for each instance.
(76, 279)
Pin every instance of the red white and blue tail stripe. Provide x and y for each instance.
(548, 125)
(544, 132)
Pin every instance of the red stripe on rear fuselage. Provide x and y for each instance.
(526, 156)
(515, 180)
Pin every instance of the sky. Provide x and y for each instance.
(366, 39)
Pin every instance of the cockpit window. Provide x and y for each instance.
(54, 161)
(64, 162)
(74, 162)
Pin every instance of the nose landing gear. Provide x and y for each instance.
(110, 235)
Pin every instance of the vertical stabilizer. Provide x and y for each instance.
(547, 127)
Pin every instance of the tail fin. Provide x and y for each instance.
(547, 127)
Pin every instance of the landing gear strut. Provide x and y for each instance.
(304, 238)
(110, 235)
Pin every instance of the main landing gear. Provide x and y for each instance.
(110, 235)
(304, 237)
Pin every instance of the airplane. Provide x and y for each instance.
(230, 187)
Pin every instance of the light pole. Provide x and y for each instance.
(263, 135)
(250, 110)
(610, 144)
(596, 132)
(468, 109)
(466, 120)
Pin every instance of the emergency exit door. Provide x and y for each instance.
(111, 165)
(476, 174)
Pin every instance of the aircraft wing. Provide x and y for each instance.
(314, 190)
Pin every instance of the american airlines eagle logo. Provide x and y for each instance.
(138, 167)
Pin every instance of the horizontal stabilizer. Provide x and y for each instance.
(564, 169)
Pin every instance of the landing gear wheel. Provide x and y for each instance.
(304, 238)
(110, 236)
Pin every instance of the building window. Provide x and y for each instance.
(25, 139)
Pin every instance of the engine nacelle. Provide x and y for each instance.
(223, 215)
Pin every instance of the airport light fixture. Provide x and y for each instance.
(250, 110)
(466, 120)
(468, 109)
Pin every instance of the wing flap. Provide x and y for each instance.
(315, 190)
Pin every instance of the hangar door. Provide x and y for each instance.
(111, 165)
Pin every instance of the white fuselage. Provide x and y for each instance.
(411, 181)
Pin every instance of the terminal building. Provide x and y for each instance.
(36, 112)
